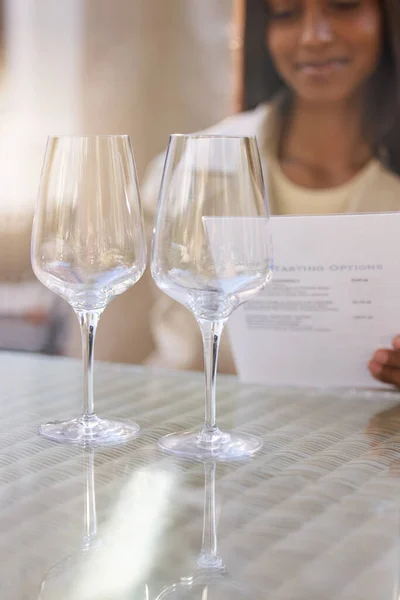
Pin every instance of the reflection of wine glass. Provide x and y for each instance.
(211, 579)
(58, 580)
(117, 566)
(211, 253)
(88, 246)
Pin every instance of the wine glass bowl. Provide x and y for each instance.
(211, 224)
(88, 244)
(213, 586)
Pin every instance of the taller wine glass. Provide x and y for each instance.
(211, 252)
(88, 246)
(210, 579)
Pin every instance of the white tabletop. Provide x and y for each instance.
(312, 516)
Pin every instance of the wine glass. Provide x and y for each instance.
(109, 563)
(211, 579)
(211, 252)
(88, 246)
(58, 581)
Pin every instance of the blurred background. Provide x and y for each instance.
(142, 67)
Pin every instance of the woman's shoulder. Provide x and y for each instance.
(248, 123)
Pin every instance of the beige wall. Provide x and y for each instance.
(152, 67)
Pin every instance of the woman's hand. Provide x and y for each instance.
(385, 364)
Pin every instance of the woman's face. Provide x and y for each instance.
(325, 50)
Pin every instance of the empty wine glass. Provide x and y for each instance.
(88, 246)
(211, 579)
(211, 252)
(59, 580)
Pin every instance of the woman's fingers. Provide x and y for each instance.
(385, 364)
(389, 375)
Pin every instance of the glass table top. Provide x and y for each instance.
(314, 515)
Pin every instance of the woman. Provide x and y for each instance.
(329, 135)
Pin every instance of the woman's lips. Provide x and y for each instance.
(321, 68)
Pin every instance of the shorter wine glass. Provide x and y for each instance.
(212, 252)
(88, 246)
(58, 581)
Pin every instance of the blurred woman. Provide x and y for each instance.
(328, 133)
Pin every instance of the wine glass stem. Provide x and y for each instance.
(209, 557)
(90, 498)
(88, 321)
(211, 332)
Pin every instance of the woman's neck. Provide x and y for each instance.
(323, 146)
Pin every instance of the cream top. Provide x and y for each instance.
(292, 199)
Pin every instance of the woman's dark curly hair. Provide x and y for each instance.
(262, 82)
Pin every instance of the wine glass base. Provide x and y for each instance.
(228, 445)
(89, 432)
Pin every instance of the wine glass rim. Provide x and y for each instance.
(89, 136)
(212, 136)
